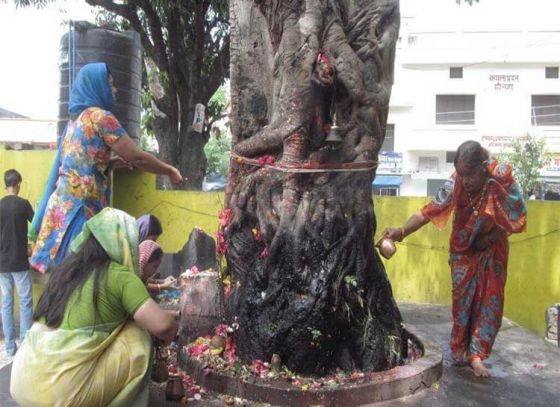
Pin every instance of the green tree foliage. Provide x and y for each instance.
(218, 104)
(528, 157)
(217, 152)
(218, 148)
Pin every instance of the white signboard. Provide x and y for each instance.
(553, 165)
(497, 144)
(198, 121)
(390, 162)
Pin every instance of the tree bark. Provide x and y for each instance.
(180, 144)
(307, 283)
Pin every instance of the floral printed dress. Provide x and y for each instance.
(83, 183)
(478, 276)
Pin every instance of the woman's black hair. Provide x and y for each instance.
(70, 276)
(156, 255)
(472, 154)
(154, 228)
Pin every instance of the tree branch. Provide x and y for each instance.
(172, 37)
(199, 18)
(156, 32)
(218, 71)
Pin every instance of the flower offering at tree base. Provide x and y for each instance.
(228, 363)
(224, 217)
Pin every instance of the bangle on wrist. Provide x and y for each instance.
(403, 234)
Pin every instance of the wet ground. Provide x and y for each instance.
(525, 370)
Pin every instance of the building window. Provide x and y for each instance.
(428, 164)
(434, 185)
(456, 72)
(386, 191)
(551, 72)
(389, 141)
(450, 157)
(545, 110)
(454, 109)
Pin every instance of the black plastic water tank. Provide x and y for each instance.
(122, 52)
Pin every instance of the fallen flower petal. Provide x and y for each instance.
(264, 253)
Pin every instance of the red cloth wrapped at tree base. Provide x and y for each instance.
(479, 277)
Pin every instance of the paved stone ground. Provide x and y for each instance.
(525, 369)
(4, 359)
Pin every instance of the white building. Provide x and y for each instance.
(487, 72)
(20, 132)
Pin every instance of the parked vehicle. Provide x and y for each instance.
(214, 182)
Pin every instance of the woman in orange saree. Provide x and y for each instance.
(488, 206)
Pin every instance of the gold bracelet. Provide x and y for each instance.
(403, 235)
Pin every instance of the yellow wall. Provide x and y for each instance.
(34, 167)
(178, 211)
(534, 272)
(418, 272)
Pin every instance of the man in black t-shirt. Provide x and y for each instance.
(15, 212)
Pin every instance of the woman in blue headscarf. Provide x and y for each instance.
(79, 184)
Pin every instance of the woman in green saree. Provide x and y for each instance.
(90, 344)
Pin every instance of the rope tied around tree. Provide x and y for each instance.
(268, 161)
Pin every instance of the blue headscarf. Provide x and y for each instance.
(91, 88)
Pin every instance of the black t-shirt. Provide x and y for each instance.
(15, 212)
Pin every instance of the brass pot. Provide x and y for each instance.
(386, 247)
(174, 390)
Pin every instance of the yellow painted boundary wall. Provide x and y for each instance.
(419, 271)
(34, 166)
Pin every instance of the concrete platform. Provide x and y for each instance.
(525, 369)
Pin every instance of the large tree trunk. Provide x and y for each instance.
(178, 143)
(192, 159)
(307, 283)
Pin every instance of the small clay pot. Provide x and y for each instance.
(275, 362)
(174, 390)
(218, 342)
(386, 247)
(159, 371)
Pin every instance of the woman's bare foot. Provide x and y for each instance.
(478, 368)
